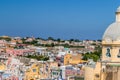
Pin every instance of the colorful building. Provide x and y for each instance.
(73, 59)
(33, 72)
(42, 70)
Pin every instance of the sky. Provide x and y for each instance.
(66, 19)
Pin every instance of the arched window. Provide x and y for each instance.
(118, 55)
(108, 52)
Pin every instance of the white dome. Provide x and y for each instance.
(113, 31)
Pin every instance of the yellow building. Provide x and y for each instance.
(36, 71)
(72, 59)
(67, 57)
(2, 67)
(40, 70)
(109, 66)
(33, 72)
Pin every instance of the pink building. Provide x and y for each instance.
(18, 51)
(3, 43)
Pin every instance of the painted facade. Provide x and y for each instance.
(73, 59)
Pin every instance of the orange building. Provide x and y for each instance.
(73, 59)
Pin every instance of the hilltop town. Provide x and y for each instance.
(32, 58)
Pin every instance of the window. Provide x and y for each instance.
(118, 54)
(34, 70)
(54, 73)
(97, 75)
(108, 52)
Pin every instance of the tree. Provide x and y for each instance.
(58, 40)
(71, 40)
(5, 38)
(51, 38)
(52, 44)
(40, 57)
(93, 55)
(39, 38)
(77, 40)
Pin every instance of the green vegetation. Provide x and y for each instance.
(79, 78)
(34, 42)
(51, 38)
(40, 57)
(71, 46)
(93, 55)
(64, 45)
(5, 38)
(93, 44)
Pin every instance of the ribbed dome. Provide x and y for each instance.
(113, 31)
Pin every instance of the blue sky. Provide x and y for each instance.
(66, 19)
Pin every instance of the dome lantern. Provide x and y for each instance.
(118, 14)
